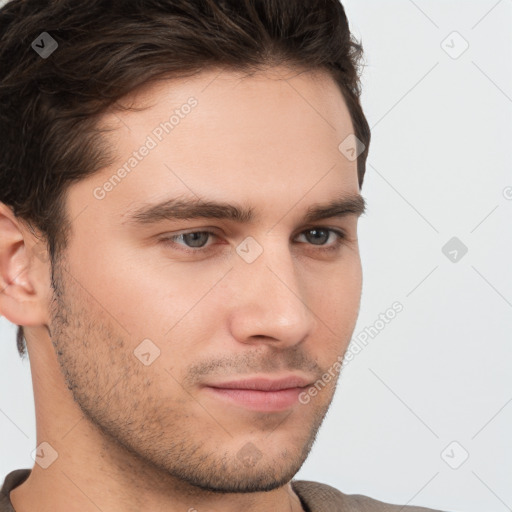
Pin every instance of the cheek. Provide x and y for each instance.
(335, 302)
(145, 292)
(335, 295)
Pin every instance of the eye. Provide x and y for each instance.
(193, 242)
(317, 235)
(320, 235)
(196, 241)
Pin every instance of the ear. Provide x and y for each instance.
(24, 273)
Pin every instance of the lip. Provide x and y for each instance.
(260, 393)
(265, 383)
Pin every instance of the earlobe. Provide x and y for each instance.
(22, 286)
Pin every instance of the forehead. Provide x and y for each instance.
(268, 137)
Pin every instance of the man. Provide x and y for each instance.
(180, 191)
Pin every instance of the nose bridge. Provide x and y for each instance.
(270, 295)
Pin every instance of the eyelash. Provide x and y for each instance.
(341, 238)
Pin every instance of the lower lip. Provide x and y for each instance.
(266, 401)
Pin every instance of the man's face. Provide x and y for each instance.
(143, 323)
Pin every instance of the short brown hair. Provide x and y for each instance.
(50, 107)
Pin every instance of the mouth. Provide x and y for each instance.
(260, 394)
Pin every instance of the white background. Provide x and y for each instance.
(439, 167)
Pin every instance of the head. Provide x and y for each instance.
(161, 164)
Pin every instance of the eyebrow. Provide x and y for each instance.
(186, 209)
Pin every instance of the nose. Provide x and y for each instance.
(269, 302)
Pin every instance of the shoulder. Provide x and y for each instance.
(319, 497)
(12, 480)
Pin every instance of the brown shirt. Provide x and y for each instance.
(315, 497)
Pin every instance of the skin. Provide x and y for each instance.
(133, 437)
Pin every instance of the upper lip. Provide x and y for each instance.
(264, 383)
